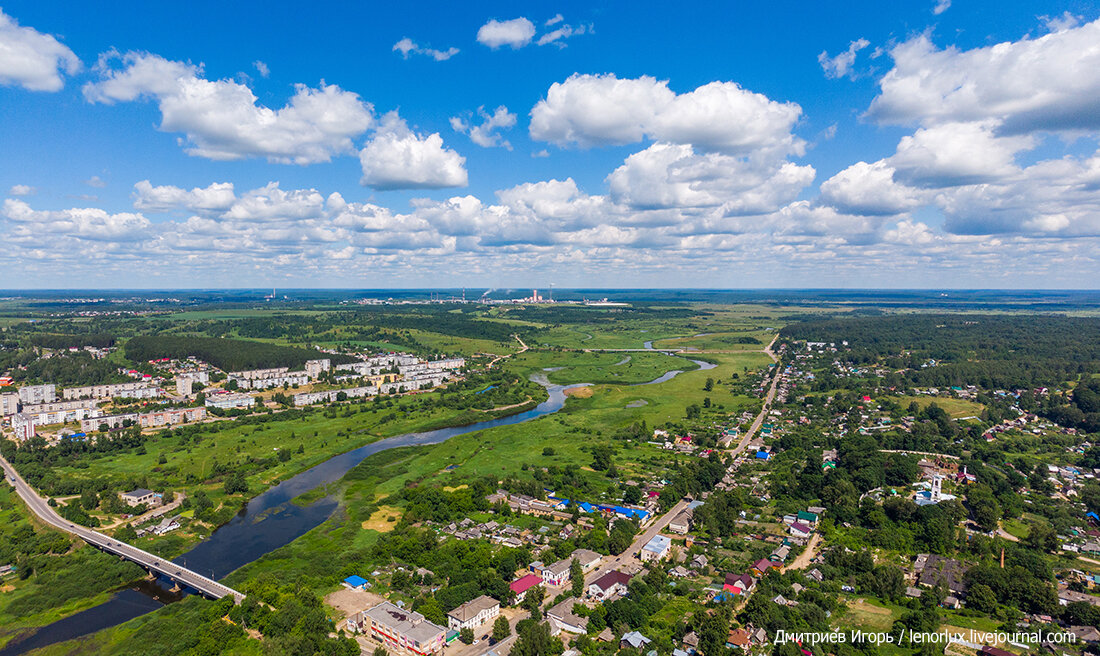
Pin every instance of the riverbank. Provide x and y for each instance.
(272, 520)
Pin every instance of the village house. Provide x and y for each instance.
(681, 523)
(520, 586)
(139, 497)
(656, 549)
(562, 618)
(608, 586)
(473, 613)
(739, 584)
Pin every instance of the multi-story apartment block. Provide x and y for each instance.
(108, 421)
(9, 403)
(314, 368)
(329, 396)
(229, 401)
(24, 426)
(38, 393)
(134, 390)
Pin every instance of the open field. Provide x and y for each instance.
(955, 408)
(568, 367)
(719, 341)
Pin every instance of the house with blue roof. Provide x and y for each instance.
(354, 582)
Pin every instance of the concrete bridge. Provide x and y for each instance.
(178, 574)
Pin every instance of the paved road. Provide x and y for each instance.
(176, 573)
(630, 554)
(759, 421)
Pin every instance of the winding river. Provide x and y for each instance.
(266, 523)
(270, 521)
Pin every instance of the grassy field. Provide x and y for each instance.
(595, 367)
(320, 435)
(955, 408)
(869, 615)
(718, 341)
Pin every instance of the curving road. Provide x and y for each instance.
(176, 573)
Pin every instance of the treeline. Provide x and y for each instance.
(225, 354)
(65, 369)
(390, 324)
(59, 341)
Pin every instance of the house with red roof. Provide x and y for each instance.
(524, 583)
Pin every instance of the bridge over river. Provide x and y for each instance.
(178, 574)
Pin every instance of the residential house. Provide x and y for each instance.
(681, 523)
(656, 549)
(761, 567)
(739, 638)
(610, 585)
(634, 640)
(739, 584)
(138, 497)
(562, 618)
(589, 560)
(520, 586)
(473, 613)
(556, 574)
(800, 530)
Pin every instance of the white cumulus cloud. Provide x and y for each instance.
(31, 59)
(222, 118)
(515, 33)
(167, 198)
(21, 190)
(594, 110)
(869, 189)
(397, 158)
(1047, 83)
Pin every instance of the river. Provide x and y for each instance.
(266, 523)
(270, 521)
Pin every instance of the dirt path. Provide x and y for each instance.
(807, 555)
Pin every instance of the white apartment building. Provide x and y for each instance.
(329, 396)
(290, 379)
(184, 382)
(9, 403)
(110, 421)
(134, 390)
(58, 406)
(38, 393)
(229, 401)
(63, 416)
(24, 426)
(314, 368)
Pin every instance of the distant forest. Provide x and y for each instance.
(225, 354)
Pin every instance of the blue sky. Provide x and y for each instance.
(715, 145)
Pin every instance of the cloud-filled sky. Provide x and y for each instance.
(724, 145)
